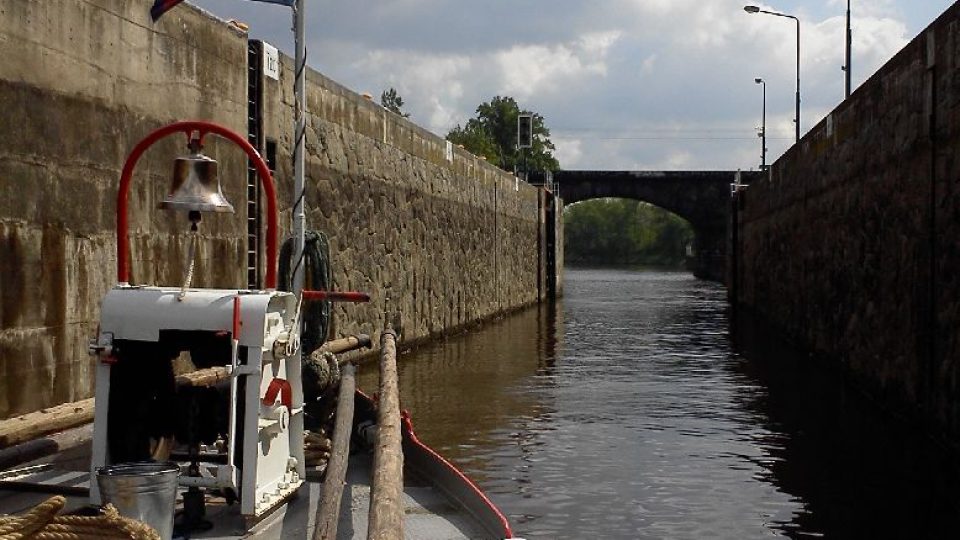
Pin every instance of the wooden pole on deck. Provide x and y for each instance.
(27, 427)
(328, 512)
(349, 343)
(386, 497)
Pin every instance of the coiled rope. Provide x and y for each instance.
(317, 276)
(42, 523)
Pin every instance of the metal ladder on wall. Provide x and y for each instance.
(255, 138)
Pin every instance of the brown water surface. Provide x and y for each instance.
(626, 411)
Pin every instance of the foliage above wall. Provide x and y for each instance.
(391, 100)
(493, 135)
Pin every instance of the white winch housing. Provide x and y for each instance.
(265, 352)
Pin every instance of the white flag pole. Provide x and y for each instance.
(300, 116)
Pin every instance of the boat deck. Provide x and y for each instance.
(428, 514)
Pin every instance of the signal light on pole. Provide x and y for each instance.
(525, 131)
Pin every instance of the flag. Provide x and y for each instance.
(162, 6)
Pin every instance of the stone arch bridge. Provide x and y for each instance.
(700, 197)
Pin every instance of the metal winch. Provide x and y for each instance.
(241, 432)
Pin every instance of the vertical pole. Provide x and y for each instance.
(846, 68)
(798, 79)
(299, 113)
(763, 131)
(526, 168)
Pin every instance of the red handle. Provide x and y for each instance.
(336, 296)
(236, 318)
(189, 127)
(279, 387)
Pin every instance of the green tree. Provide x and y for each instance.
(624, 232)
(493, 135)
(391, 101)
(475, 138)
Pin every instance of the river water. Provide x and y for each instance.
(627, 411)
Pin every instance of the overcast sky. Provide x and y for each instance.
(623, 84)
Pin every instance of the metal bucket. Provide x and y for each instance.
(146, 492)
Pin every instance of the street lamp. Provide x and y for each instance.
(763, 126)
(755, 9)
(846, 66)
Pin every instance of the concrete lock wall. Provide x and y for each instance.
(438, 243)
(80, 84)
(850, 246)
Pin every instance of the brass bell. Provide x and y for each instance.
(196, 186)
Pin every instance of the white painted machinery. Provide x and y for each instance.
(254, 335)
(242, 434)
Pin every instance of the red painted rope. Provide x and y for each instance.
(189, 127)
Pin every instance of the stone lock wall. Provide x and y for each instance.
(438, 243)
(439, 240)
(850, 246)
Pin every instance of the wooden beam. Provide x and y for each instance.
(348, 343)
(386, 497)
(328, 512)
(47, 445)
(30, 426)
(203, 377)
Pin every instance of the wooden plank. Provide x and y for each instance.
(45, 446)
(33, 425)
(30, 426)
(203, 377)
(328, 512)
(386, 498)
(345, 344)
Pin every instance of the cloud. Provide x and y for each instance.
(432, 85)
(646, 67)
(568, 150)
(436, 86)
(621, 83)
(530, 70)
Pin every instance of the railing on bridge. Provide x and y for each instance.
(541, 178)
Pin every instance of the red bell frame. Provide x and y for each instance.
(202, 128)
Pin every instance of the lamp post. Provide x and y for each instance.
(755, 9)
(763, 126)
(846, 66)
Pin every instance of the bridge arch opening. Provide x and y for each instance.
(615, 231)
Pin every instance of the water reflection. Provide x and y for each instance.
(626, 412)
(462, 392)
(862, 472)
